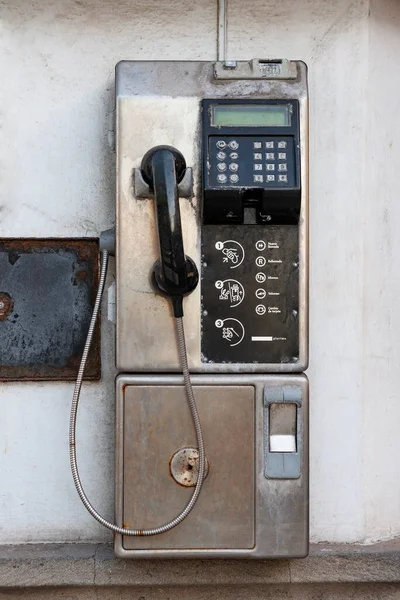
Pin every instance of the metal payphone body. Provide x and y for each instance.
(243, 131)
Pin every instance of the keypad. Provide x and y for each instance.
(252, 161)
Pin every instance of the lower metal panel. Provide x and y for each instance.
(240, 512)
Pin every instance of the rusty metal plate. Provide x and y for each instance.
(47, 293)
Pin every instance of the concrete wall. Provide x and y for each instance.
(57, 179)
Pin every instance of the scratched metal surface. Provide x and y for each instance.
(47, 292)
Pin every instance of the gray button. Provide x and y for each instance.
(221, 166)
(270, 155)
(270, 177)
(234, 178)
(257, 156)
(257, 145)
(221, 155)
(221, 178)
(282, 144)
(283, 178)
(270, 167)
(269, 144)
(258, 167)
(282, 167)
(234, 155)
(233, 145)
(258, 178)
(281, 155)
(221, 144)
(233, 167)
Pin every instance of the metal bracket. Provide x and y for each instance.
(142, 190)
(256, 68)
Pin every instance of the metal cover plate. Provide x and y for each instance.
(47, 293)
(224, 514)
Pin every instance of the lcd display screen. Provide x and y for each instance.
(251, 115)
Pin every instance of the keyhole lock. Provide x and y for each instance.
(184, 466)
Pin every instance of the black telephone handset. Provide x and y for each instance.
(174, 274)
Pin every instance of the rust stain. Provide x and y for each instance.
(6, 305)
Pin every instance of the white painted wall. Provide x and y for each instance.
(56, 179)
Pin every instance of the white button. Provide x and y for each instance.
(257, 156)
(269, 144)
(270, 156)
(233, 166)
(282, 178)
(282, 144)
(261, 293)
(221, 144)
(270, 177)
(258, 167)
(270, 167)
(234, 155)
(233, 145)
(260, 309)
(221, 166)
(261, 261)
(282, 155)
(258, 178)
(221, 178)
(257, 145)
(261, 245)
(282, 443)
(282, 167)
(221, 155)
(234, 178)
(261, 277)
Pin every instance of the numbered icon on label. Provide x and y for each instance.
(232, 331)
(261, 277)
(261, 245)
(232, 252)
(260, 309)
(261, 261)
(261, 293)
(230, 290)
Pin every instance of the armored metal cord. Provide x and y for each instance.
(74, 410)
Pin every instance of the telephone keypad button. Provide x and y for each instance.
(234, 178)
(233, 167)
(221, 144)
(282, 144)
(282, 167)
(234, 156)
(258, 167)
(270, 178)
(257, 145)
(283, 178)
(258, 178)
(221, 155)
(270, 155)
(233, 145)
(269, 144)
(281, 155)
(257, 156)
(270, 167)
(221, 178)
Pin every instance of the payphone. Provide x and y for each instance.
(211, 233)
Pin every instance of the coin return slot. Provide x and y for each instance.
(282, 429)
